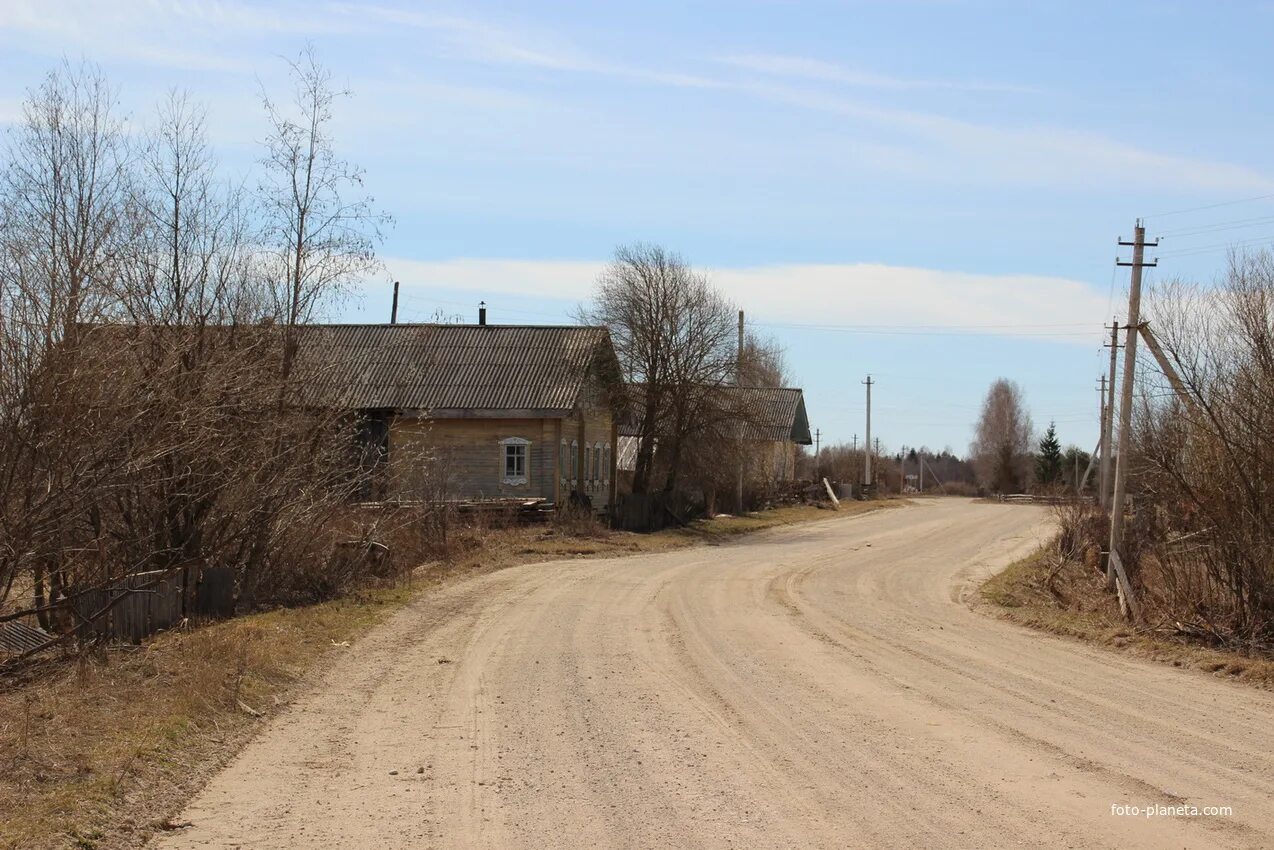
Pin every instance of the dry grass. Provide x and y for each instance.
(100, 753)
(90, 750)
(1070, 599)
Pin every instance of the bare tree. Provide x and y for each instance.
(763, 363)
(1003, 438)
(141, 424)
(64, 224)
(1202, 464)
(674, 336)
(321, 228)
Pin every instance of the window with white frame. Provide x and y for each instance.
(597, 464)
(515, 459)
(574, 462)
(606, 463)
(564, 461)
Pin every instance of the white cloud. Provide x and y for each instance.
(859, 295)
(1039, 155)
(198, 36)
(480, 41)
(816, 69)
(235, 36)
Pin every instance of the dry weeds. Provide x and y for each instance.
(101, 753)
(1070, 598)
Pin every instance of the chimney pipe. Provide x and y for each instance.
(393, 313)
(482, 313)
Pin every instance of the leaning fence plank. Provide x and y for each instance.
(831, 494)
(1127, 600)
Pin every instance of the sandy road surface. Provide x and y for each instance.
(819, 686)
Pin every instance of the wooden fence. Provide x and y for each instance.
(141, 604)
(1033, 499)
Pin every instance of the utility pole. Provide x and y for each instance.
(393, 311)
(1103, 447)
(876, 454)
(738, 382)
(921, 481)
(1125, 402)
(1108, 420)
(854, 457)
(867, 442)
(817, 435)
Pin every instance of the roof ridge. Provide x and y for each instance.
(466, 325)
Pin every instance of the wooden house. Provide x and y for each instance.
(474, 412)
(771, 420)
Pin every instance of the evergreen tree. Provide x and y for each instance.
(1048, 462)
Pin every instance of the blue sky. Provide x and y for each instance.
(926, 191)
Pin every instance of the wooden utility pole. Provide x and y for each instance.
(1113, 560)
(738, 382)
(1108, 420)
(867, 442)
(393, 311)
(921, 481)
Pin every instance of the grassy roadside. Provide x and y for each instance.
(1071, 600)
(99, 754)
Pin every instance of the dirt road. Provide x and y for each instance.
(820, 686)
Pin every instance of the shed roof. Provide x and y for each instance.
(765, 413)
(773, 413)
(452, 370)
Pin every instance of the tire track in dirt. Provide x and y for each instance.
(825, 685)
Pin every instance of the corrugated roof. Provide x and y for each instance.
(772, 413)
(449, 369)
(766, 413)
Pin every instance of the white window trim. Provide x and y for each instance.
(515, 480)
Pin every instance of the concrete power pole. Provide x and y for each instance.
(1103, 445)
(867, 441)
(1125, 401)
(1108, 421)
(876, 455)
(817, 435)
(738, 382)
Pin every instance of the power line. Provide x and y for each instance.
(1211, 206)
(937, 330)
(1208, 249)
(1216, 227)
